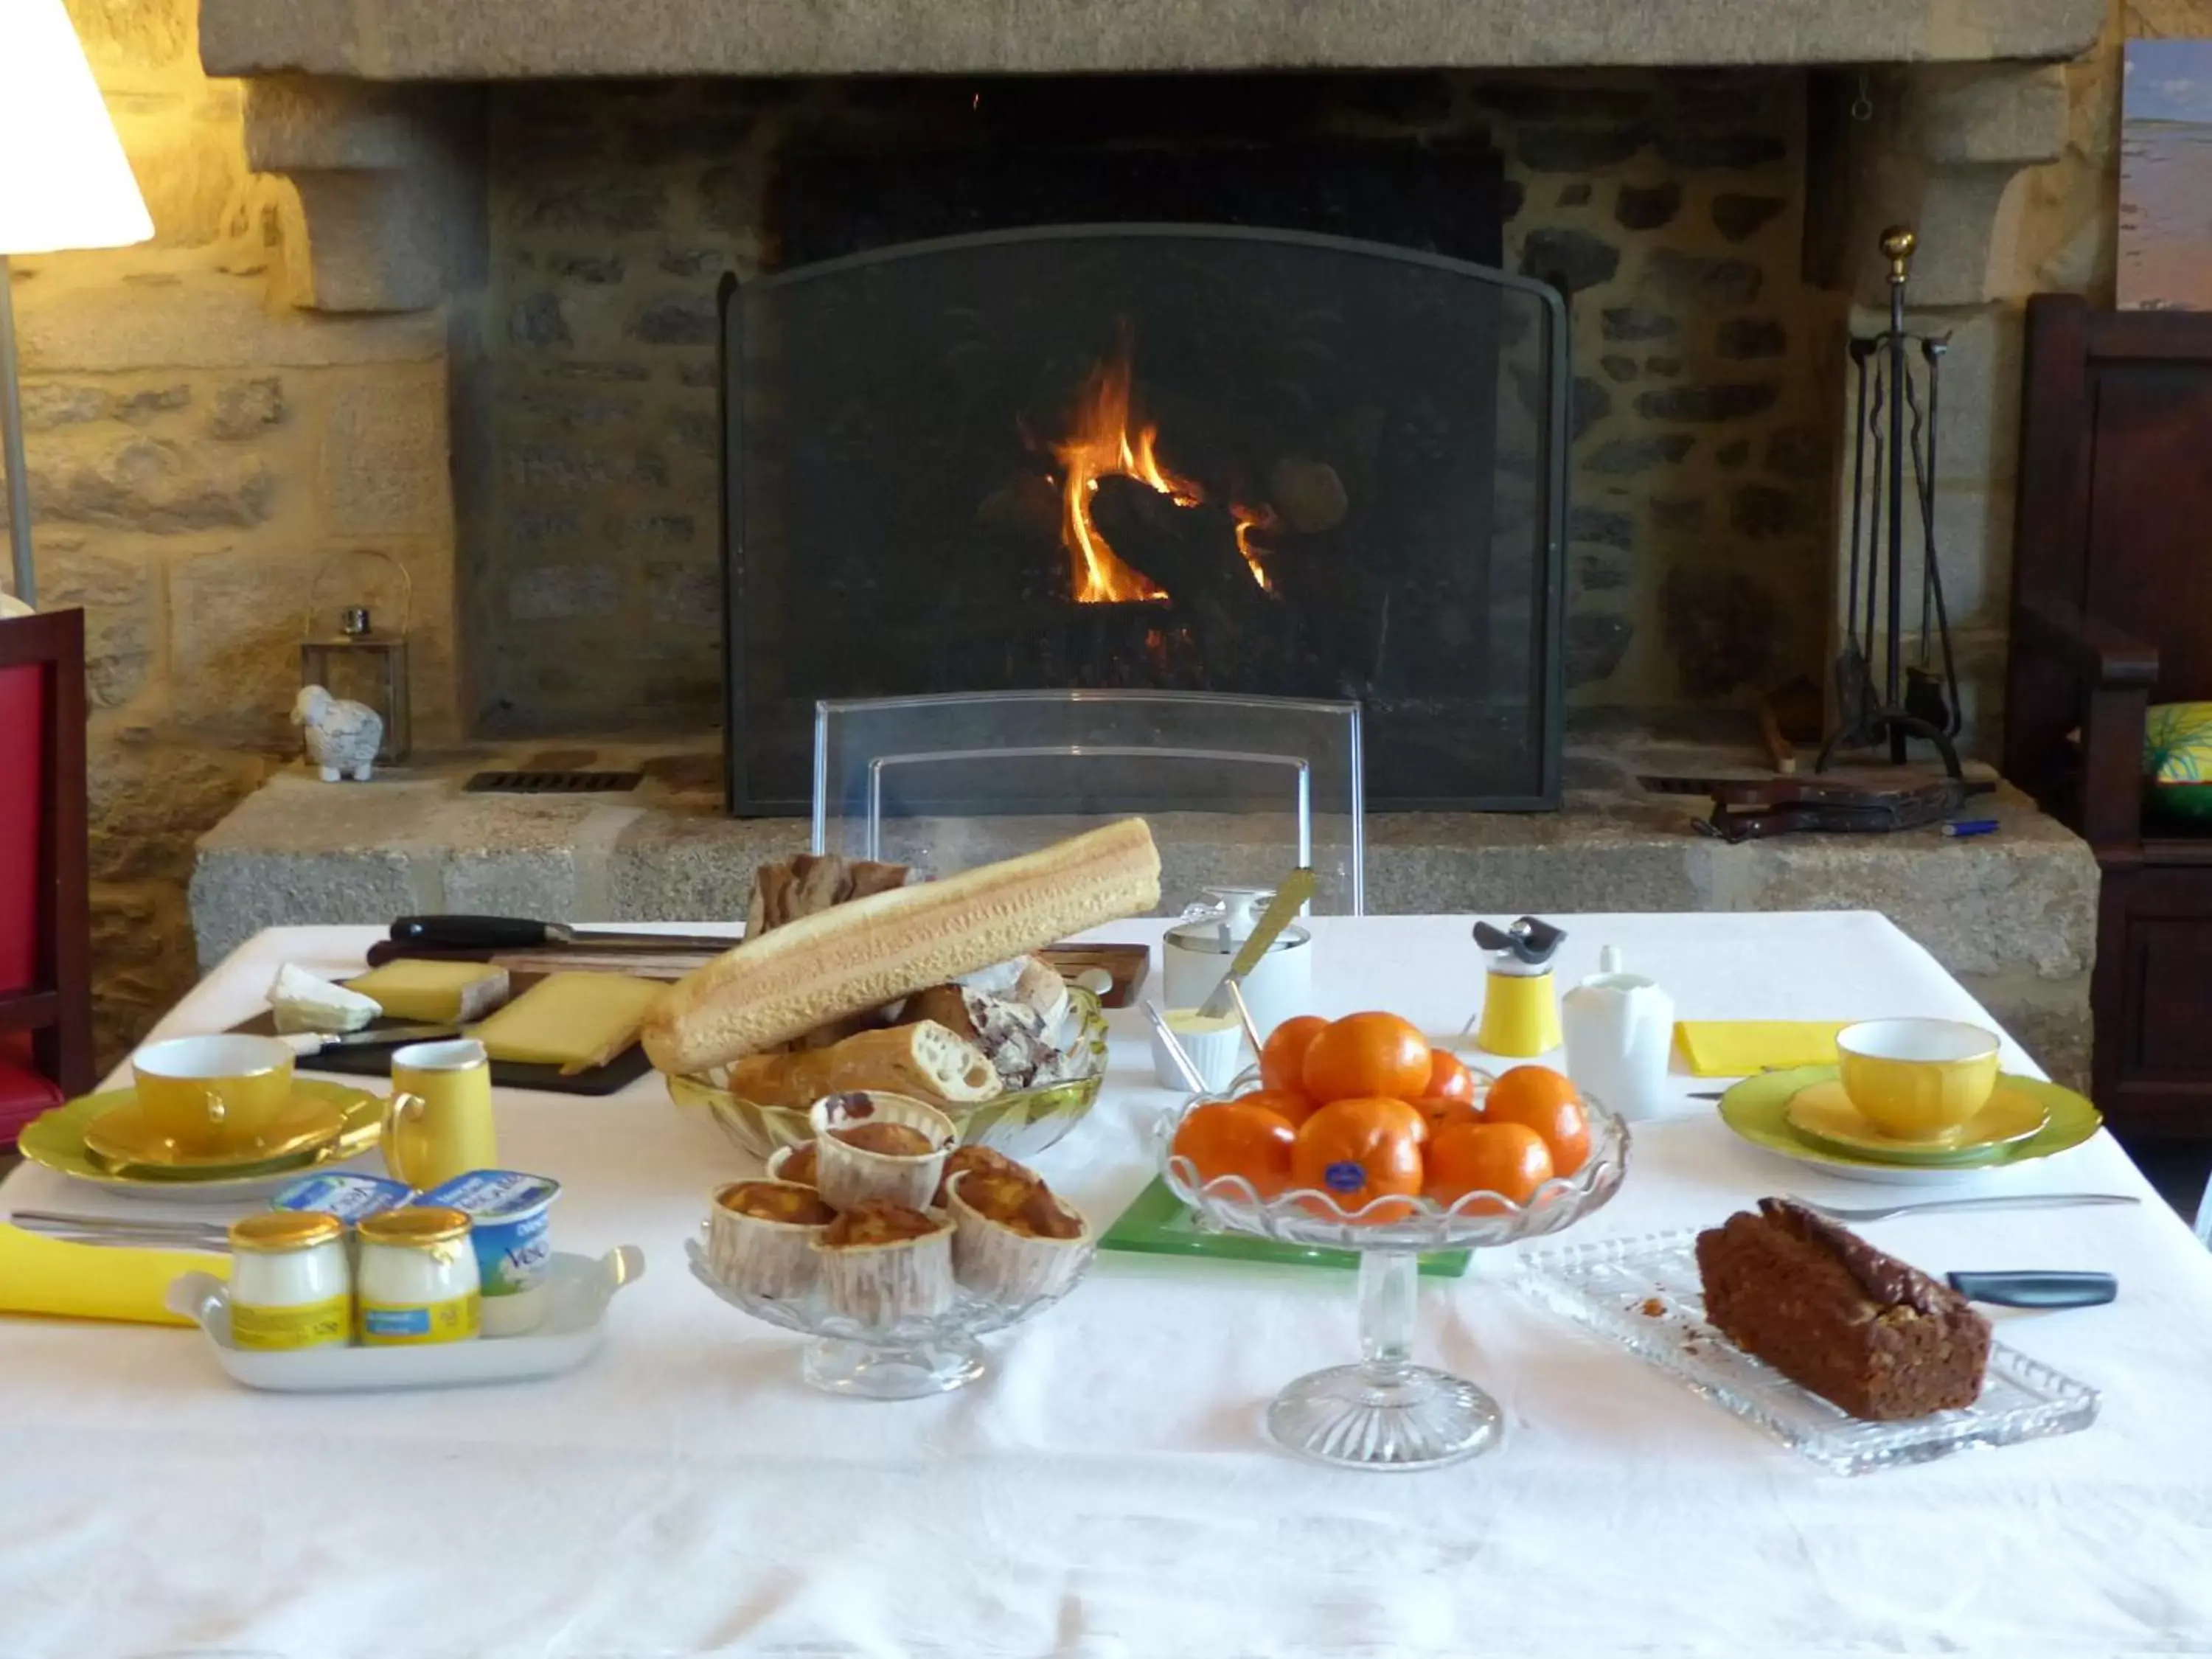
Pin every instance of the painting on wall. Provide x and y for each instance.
(2166, 177)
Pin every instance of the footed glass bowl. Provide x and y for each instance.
(908, 1360)
(1387, 1413)
(1020, 1123)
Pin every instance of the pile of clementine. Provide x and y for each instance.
(1361, 1110)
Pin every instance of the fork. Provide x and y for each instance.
(2001, 1201)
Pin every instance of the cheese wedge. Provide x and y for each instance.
(573, 1020)
(434, 993)
(302, 1001)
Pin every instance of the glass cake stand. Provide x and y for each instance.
(908, 1360)
(1386, 1412)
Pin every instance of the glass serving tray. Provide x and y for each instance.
(1157, 1222)
(1645, 1293)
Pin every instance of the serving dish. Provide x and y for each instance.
(577, 1289)
(1020, 1123)
(1645, 1294)
(56, 1139)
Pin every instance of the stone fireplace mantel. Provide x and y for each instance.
(498, 39)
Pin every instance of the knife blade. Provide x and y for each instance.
(1290, 898)
(521, 934)
(307, 1044)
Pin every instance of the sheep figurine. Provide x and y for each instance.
(343, 737)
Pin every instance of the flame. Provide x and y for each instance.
(1107, 441)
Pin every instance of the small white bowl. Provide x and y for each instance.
(1217, 1048)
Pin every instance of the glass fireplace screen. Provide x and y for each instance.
(1190, 459)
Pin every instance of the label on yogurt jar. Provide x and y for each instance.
(308, 1325)
(384, 1324)
(509, 1226)
(348, 1197)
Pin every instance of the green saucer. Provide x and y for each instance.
(56, 1139)
(1757, 1109)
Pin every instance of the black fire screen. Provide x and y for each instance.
(1180, 457)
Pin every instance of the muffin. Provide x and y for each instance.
(759, 1237)
(1013, 1239)
(975, 1157)
(881, 1262)
(871, 1144)
(795, 1164)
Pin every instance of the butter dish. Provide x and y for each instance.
(579, 1289)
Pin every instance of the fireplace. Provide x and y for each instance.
(1178, 457)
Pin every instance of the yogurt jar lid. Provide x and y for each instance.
(348, 1196)
(494, 1195)
(416, 1227)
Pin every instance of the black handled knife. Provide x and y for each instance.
(519, 934)
(2037, 1290)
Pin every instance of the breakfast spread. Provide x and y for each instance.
(433, 991)
(1870, 1334)
(874, 1144)
(886, 946)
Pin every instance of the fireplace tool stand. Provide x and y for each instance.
(1894, 433)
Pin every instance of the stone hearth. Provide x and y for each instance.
(2013, 915)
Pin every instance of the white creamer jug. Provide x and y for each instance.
(1620, 1027)
(1197, 952)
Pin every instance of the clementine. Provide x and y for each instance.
(1443, 1111)
(1288, 1104)
(1509, 1159)
(1237, 1137)
(1356, 1152)
(1284, 1055)
(1365, 1055)
(1449, 1077)
(1542, 1099)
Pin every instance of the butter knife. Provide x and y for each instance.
(1290, 898)
(306, 1044)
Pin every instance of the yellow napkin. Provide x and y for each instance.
(94, 1281)
(1738, 1048)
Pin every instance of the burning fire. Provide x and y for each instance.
(1108, 441)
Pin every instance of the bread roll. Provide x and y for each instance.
(923, 1060)
(875, 950)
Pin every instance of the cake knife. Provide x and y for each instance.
(521, 934)
(1290, 898)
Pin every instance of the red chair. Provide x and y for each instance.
(45, 924)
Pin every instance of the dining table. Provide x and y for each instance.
(1106, 1488)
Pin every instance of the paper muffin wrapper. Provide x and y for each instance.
(1012, 1267)
(780, 1159)
(847, 1176)
(764, 1257)
(879, 1284)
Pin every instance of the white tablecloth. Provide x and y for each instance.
(1107, 1490)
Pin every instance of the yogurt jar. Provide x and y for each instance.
(511, 1230)
(350, 1197)
(291, 1285)
(417, 1281)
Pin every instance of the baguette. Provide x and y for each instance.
(875, 950)
(923, 1060)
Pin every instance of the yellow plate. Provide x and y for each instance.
(122, 1140)
(1824, 1113)
(56, 1139)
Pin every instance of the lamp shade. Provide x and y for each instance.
(63, 181)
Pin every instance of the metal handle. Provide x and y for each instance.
(1176, 1054)
(2037, 1289)
(473, 933)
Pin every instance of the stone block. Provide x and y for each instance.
(384, 463)
(235, 643)
(593, 271)
(235, 897)
(1578, 149)
(548, 592)
(141, 408)
(120, 599)
(1998, 112)
(142, 961)
(1738, 216)
(374, 241)
(203, 320)
(1637, 207)
(691, 320)
(1692, 282)
(1569, 258)
(1744, 338)
(1636, 323)
(1592, 524)
(124, 40)
(47, 404)
(147, 484)
(1720, 627)
(1720, 400)
(149, 800)
(683, 595)
(1625, 456)
(1596, 641)
(303, 124)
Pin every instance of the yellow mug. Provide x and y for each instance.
(208, 1092)
(1917, 1079)
(437, 1124)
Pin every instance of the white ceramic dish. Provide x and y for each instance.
(578, 1291)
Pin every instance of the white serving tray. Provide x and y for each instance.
(578, 1289)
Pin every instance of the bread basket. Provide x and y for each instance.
(1020, 1123)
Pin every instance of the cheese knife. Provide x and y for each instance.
(521, 934)
(306, 1044)
(1290, 898)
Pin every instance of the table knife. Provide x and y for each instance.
(521, 934)
(306, 1044)
(2037, 1289)
(1290, 898)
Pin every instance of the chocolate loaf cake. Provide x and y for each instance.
(1875, 1336)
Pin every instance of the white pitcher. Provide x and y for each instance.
(1620, 1027)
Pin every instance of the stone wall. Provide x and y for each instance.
(1669, 204)
(195, 450)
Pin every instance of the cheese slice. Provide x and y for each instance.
(302, 1001)
(432, 992)
(573, 1020)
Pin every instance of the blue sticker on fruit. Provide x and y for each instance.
(1344, 1176)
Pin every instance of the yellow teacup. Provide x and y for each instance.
(209, 1092)
(1917, 1079)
